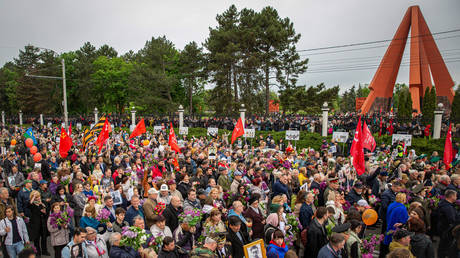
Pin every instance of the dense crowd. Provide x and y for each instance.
(139, 198)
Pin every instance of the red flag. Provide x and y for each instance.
(427, 130)
(380, 131)
(104, 135)
(172, 140)
(70, 129)
(357, 150)
(238, 130)
(448, 152)
(140, 129)
(391, 128)
(65, 143)
(368, 139)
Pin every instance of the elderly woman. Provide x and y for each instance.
(334, 201)
(255, 214)
(59, 234)
(159, 227)
(270, 227)
(37, 224)
(78, 202)
(214, 223)
(396, 216)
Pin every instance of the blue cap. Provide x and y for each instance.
(43, 182)
(238, 173)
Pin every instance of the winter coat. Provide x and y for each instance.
(78, 202)
(276, 251)
(257, 218)
(328, 252)
(101, 245)
(37, 222)
(236, 249)
(397, 213)
(353, 197)
(388, 196)
(89, 222)
(317, 238)
(131, 213)
(280, 188)
(23, 200)
(59, 235)
(123, 252)
(156, 231)
(148, 207)
(447, 216)
(305, 215)
(9, 236)
(395, 245)
(421, 246)
(172, 217)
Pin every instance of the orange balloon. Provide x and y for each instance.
(33, 150)
(37, 157)
(29, 142)
(146, 142)
(370, 217)
(13, 142)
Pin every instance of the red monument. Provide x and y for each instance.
(424, 57)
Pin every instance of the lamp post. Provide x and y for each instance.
(437, 121)
(20, 117)
(133, 116)
(325, 110)
(3, 118)
(96, 118)
(181, 116)
(243, 114)
(41, 119)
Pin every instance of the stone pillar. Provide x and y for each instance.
(41, 119)
(20, 117)
(3, 118)
(243, 115)
(437, 121)
(96, 113)
(325, 110)
(133, 116)
(181, 116)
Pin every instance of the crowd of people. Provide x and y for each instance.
(139, 198)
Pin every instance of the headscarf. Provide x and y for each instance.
(273, 219)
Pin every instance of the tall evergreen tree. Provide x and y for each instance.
(455, 114)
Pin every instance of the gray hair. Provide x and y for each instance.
(3, 189)
(114, 238)
(90, 230)
(138, 217)
(209, 240)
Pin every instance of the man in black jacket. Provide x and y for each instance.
(446, 222)
(235, 237)
(171, 213)
(168, 249)
(355, 194)
(317, 234)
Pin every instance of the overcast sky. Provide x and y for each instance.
(64, 25)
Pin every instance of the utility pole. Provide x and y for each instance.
(64, 90)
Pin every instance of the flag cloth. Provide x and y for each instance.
(88, 137)
(427, 130)
(448, 152)
(357, 150)
(70, 129)
(238, 130)
(391, 128)
(368, 139)
(65, 143)
(140, 129)
(103, 136)
(380, 130)
(98, 126)
(172, 140)
(30, 134)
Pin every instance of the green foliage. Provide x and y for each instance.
(309, 100)
(455, 115)
(429, 106)
(404, 104)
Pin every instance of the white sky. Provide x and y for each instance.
(64, 25)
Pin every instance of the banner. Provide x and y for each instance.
(407, 138)
(183, 131)
(213, 131)
(292, 135)
(340, 136)
(249, 133)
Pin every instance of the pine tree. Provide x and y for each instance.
(455, 115)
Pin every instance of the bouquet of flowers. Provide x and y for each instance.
(370, 243)
(30, 246)
(294, 222)
(156, 243)
(434, 200)
(373, 199)
(242, 198)
(159, 208)
(104, 216)
(62, 218)
(65, 180)
(191, 217)
(269, 167)
(134, 237)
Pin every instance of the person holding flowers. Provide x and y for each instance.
(159, 227)
(214, 223)
(58, 226)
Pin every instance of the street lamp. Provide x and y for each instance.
(64, 87)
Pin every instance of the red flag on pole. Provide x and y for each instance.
(357, 150)
(103, 135)
(427, 130)
(140, 129)
(70, 129)
(368, 139)
(391, 128)
(172, 140)
(448, 152)
(380, 131)
(238, 130)
(65, 143)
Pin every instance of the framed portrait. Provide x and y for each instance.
(255, 249)
(116, 197)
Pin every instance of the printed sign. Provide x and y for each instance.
(407, 138)
(49, 124)
(157, 129)
(340, 136)
(132, 127)
(212, 152)
(183, 131)
(213, 131)
(249, 132)
(292, 135)
(79, 126)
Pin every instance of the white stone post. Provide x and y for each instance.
(181, 116)
(3, 118)
(325, 110)
(437, 121)
(133, 116)
(20, 117)
(96, 113)
(41, 119)
(243, 115)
